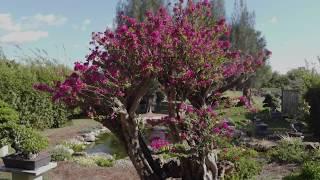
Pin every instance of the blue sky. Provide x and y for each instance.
(63, 27)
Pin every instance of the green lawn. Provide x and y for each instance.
(239, 115)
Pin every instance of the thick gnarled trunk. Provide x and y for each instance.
(138, 151)
(198, 168)
(126, 128)
(149, 169)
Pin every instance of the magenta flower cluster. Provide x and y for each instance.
(223, 129)
(186, 43)
(184, 50)
(158, 143)
(243, 100)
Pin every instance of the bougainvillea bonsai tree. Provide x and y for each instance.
(186, 52)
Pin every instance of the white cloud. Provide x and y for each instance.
(19, 37)
(40, 20)
(50, 19)
(83, 26)
(274, 20)
(7, 23)
(27, 28)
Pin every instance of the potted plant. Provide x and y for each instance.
(7, 114)
(27, 143)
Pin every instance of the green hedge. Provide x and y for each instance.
(7, 114)
(313, 98)
(35, 108)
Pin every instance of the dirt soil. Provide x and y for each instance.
(72, 171)
(274, 171)
(75, 128)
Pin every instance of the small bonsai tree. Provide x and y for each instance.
(271, 102)
(188, 54)
(25, 141)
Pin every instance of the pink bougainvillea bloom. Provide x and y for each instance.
(158, 143)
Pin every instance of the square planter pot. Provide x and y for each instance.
(4, 151)
(15, 161)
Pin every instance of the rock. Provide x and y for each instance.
(105, 130)
(311, 145)
(274, 137)
(298, 127)
(123, 163)
(95, 133)
(74, 141)
(295, 134)
(261, 146)
(79, 138)
(107, 156)
(237, 133)
(261, 129)
(61, 147)
(80, 154)
(89, 137)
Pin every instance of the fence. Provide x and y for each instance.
(290, 102)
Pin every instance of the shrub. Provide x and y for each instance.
(103, 161)
(94, 160)
(35, 109)
(314, 155)
(61, 153)
(246, 165)
(85, 161)
(310, 170)
(7, 114)
(24, 140)
(289, 150)
(313, 98)
(76, 146)
(271, 101)
(245, 169)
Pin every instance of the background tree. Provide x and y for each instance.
(136, 8)
(218, 9)
(244, 37)
(277, 81)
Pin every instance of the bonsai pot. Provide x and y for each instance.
(19, 162)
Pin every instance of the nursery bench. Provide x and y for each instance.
(20, 174)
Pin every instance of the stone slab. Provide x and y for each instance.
(36, 172)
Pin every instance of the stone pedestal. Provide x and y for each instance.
(4, 151)
(20, 174)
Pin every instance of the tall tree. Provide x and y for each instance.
(246, 38)
(218, 9)
(136, 8)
